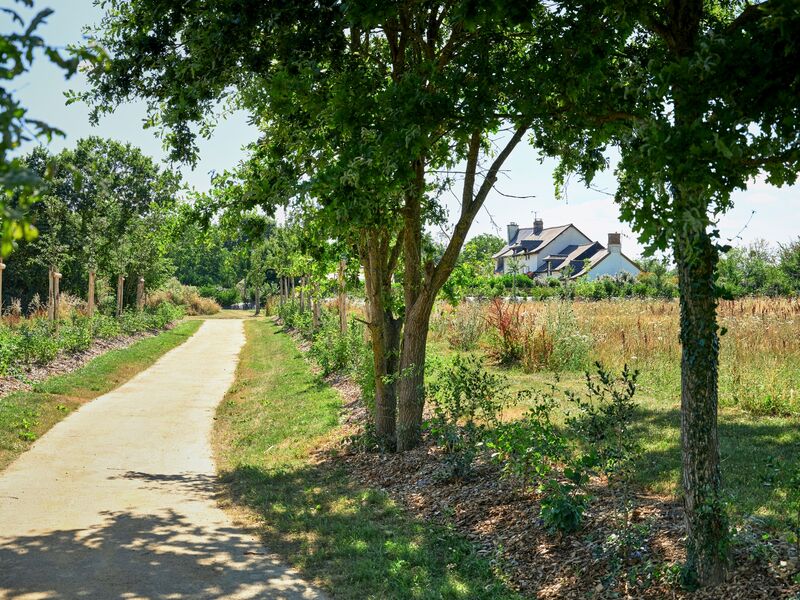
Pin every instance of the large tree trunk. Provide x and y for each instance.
(707, 530)
(378, 261)
(411, 386)
(422, 283)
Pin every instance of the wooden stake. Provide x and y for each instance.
(140, 294)
(2, 268)
(50, 293)
(120, 289)
(302, 295)
(56, 296)
(342, 299)
(90, 295)
(315, 308)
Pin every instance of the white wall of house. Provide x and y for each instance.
(613, 264)
(571, 236)
(526, 263)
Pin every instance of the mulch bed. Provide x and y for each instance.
(66, 363)
(504, 525)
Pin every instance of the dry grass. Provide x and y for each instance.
(186, 296)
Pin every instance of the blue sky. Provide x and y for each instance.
(760, 212)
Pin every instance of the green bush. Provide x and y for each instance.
(35, 341)
(76, 336)
(466, 400)
(9, 349)
(337, 353)
(105, 327)
(223, 296)
(38, 345)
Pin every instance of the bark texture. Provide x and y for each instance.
(706, 523)
(379, 259)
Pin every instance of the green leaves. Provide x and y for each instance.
(19, 185)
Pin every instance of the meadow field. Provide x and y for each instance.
(538, 344)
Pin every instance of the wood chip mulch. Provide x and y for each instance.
(504, 525)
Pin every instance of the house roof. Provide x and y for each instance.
(527, 242)
(574, 256)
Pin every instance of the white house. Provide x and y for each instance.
(565, 250)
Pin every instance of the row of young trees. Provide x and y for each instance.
(367, 110)
(104, 213)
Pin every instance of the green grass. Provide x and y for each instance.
(26, 415)
(352, 541)
(752, 448)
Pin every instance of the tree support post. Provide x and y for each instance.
(120, 289)
(140, 294)
(90, 295)
(342, 299)
(302, 294)
(2, 268)
(316, 316)
(56, 296)
(50, 294)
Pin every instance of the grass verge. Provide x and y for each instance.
(25, 416)
(353, 541)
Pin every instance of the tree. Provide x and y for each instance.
(103, 190)
(20, 185)
(478, 252)
(712, 100)
(789, 263)
(368, 103)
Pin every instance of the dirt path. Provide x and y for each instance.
(118, 500)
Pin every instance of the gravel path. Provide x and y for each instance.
(118, 500)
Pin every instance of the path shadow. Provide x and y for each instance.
(357, 539)
(132, 555)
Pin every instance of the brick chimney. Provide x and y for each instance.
(538, 226)
(614, 242)
(512, 229)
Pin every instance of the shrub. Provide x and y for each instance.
(465, 326)
(562, 506)
(466, 399)
(506, 326)
(9, 349)
(105, 327)
(529, 449)
(76, 336)
(222, 296)
(335, 352)
(603, 423)
(174, 292)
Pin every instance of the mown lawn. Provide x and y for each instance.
(27, 415)
(350, 540)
